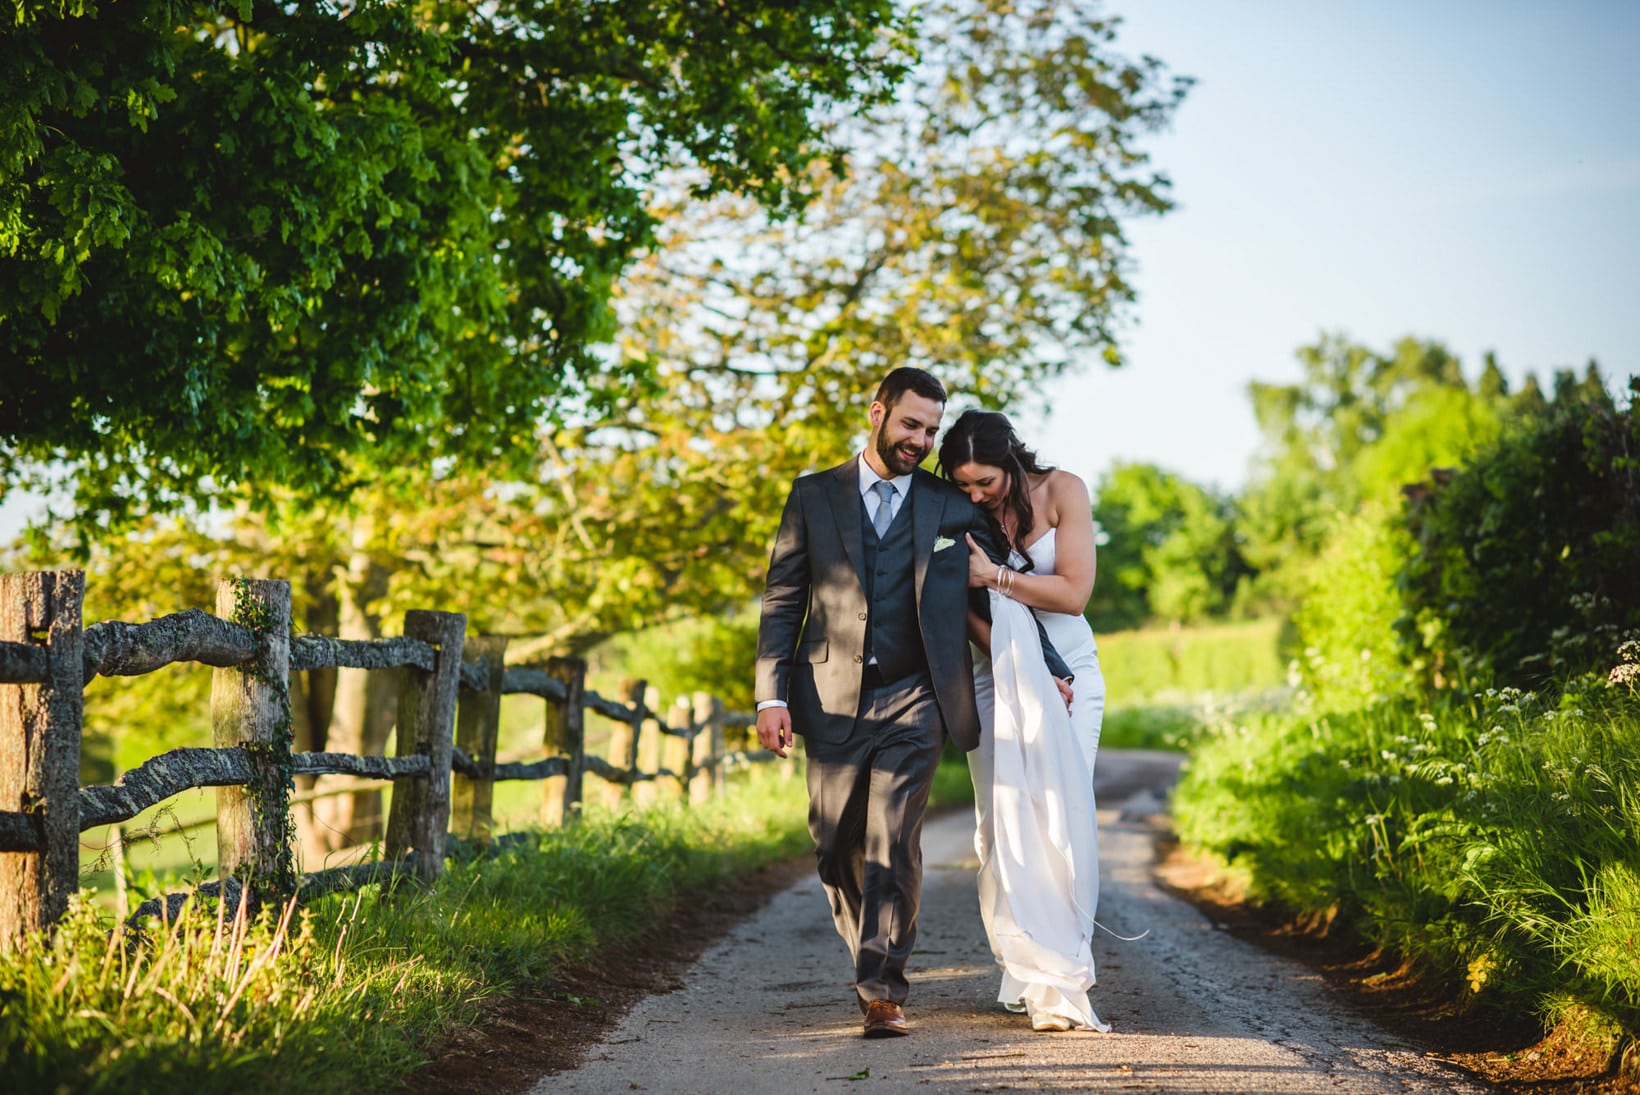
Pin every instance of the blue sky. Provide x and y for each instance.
(1459, 170)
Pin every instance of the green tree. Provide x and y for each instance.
(1169, 553)
(745, 355)
(1359, 425)
(1438, 427)
(285, 243)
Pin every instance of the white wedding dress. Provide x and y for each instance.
(1037, 835)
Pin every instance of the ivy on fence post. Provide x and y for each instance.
(250, 708)
(40, 748)
(565, 736)
(478, 722)
(420, 815)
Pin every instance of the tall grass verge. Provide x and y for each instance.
(1493, 839)
(347, 993)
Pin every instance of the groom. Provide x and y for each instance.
(863, 649)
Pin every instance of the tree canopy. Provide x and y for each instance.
(1361, 424)
(977, 228)
(279, 243)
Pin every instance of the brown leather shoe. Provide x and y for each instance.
(885, 1019)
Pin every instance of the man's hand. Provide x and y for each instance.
(1067, 691)
(774, 729)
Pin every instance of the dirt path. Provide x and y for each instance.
(769, 1011)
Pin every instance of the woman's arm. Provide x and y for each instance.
(979, 630)
(1070, 511)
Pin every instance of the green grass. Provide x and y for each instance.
(1168, 665)
(1495, 840)
(1163, 685)
(952, 786)
(346, 994)
(349, 992)
(1149, 726)
(1177, 726)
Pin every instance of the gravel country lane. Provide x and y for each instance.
(769, 1011)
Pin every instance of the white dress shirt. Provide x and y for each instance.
(869, 479)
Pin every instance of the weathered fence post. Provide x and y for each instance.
(649, 753)
(250, 708)
(623, 742)
(676, 748)
(420, 815)
(40, 748)
(122, 888)
(478, 721)
(566, 737)
(705, 774)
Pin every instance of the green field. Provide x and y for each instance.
(1162, 684)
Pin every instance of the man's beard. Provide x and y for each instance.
(898, 459)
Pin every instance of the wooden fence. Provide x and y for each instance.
(443, 772)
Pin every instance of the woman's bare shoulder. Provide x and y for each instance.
(1066, 490)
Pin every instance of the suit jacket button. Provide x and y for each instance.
(858, 659)
(862, 615)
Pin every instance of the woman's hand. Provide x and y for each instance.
(982, 572)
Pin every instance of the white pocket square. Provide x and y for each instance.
(943, 542)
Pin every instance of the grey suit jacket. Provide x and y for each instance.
(811, 639)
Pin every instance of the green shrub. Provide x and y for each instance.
(1494, 841)
(1527, 563)
(1351, 617)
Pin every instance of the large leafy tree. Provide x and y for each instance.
(1525, 569)
(286, 243)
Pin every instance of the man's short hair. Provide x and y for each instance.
(908, 379)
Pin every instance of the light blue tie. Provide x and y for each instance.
(885, 507)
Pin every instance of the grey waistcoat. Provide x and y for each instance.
(892, 633)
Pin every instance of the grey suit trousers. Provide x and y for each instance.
(867, 796)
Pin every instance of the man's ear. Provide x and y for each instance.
(878, 413)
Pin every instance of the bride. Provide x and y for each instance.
(1033, 771)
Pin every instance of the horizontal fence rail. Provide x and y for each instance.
(445, 767)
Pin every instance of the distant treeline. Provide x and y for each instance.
(1545, 509)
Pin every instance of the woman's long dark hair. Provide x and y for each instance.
(987, 437)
